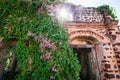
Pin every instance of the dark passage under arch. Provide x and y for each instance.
(87, 67)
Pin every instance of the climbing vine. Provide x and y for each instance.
(42, 48)
(110, 10)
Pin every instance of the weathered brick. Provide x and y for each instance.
(116, 44)
(117, 32)
(109, 76)
(106, 70)
(118, 76)
(113, 37)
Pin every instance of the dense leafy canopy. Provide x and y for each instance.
(110, 10)
(42, 48)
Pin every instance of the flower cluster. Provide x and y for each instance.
(40, 10)
(47, 56)
(52, 77)
(54, 68)
(46, 44)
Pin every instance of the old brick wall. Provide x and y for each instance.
(104, 49)
(102, 33)
(114, 34)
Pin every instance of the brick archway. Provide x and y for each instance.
(98, 50)
(99, 37)
(94, 39)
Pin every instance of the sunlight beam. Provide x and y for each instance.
(64, 14)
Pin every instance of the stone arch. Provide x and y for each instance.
(90, 41)
(87, 33)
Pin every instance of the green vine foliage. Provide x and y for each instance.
(110, 10)
(33, 31)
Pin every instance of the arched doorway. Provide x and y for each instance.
(84, 47)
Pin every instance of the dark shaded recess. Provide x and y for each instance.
(2, 59)
(115, 66)
(105, 70)
(115, 49)
(111, 29)
(110, 52)
(117, 56)
(113, 37)
(86, 67)
(2, 65)
(108, 43)
(116, 71)
(118, 61)
(104, 44)
(117, 32)
(118, 66)
(12, 42)
(117, 52)
(107, 48)
(107, 66)
(10, 74)
(105, 57)
(109, 56)
(110, 33)
(116, 44)
(109, 76)
(118, 76)
(104, 61)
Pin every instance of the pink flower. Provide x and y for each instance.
(40, 10)
(52, 77)
(54, 69)
(42, 46)
(47, 56)
(45, 43)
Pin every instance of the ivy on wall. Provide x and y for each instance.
(110, 10)
(42, 49)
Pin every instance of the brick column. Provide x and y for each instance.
(114, 35)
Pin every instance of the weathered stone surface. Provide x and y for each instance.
(80, 13)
